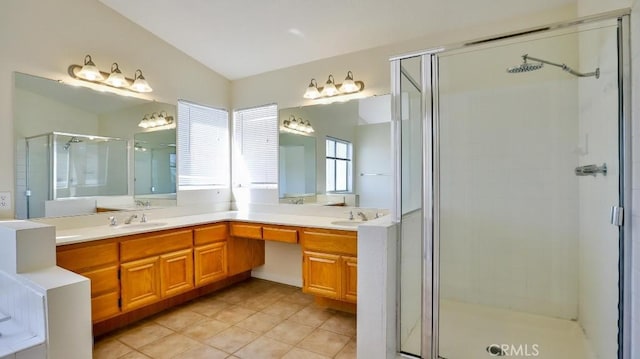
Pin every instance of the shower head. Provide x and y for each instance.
(73, 139)
(525, 67)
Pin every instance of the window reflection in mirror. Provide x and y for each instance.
(155, 163)
(89, 175)
(365, 180)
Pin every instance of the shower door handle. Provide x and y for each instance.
(617, 216)
(591, 170)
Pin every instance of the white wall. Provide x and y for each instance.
(44, 38)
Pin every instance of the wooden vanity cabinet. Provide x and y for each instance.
(99, 263)
(155, 266)
(210, 253)
(245, 247)
(330, 264)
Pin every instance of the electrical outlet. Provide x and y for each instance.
(5, 200)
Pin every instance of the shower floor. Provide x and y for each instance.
(466, 330)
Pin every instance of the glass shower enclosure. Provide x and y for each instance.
(62, 165)
(512, 168)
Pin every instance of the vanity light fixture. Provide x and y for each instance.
(312, 91)
(156, 120)
(348, 85)
(331, 89)
(298, 126)
(89, 72)
(116, 78)
(139, 147)
(140, 83)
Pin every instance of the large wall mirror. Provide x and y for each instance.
(345, 160)
(76, 150)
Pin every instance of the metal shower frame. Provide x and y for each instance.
(430, 200)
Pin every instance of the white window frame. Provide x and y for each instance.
(330, 183)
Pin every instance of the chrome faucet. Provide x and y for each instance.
(113, 221)
(144, 218)
(362, 216)
(140, 203)
(130, 218)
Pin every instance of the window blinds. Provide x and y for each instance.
(256, 145)
(203, 151)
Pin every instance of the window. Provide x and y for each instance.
(338, 165)
(203, 146)
(255, 148)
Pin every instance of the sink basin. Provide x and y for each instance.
(140, 225)
(347, 223)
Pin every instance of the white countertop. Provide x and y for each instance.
(84, 234)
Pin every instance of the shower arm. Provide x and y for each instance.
(564, 67)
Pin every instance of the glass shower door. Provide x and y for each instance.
(528, 173)
(411, 211)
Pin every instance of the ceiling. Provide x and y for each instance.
(240, 38)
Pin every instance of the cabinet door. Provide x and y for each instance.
(210, 263)
(244, 254)
(350, 279)
(321, 274)
(176, 272)
(140, 282)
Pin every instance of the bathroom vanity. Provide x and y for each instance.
(142, 269)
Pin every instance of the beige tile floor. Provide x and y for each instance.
(254, 319)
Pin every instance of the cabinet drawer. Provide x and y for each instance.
(246, 230)
(151, 245)
(281, 234)
(210, 234)
(78, 259)
(104, 306)
(103, 280)
(330, 241)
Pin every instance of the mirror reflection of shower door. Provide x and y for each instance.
(38, 174)
(528, 256)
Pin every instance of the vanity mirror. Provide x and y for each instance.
(79, 156)
(347, 157)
